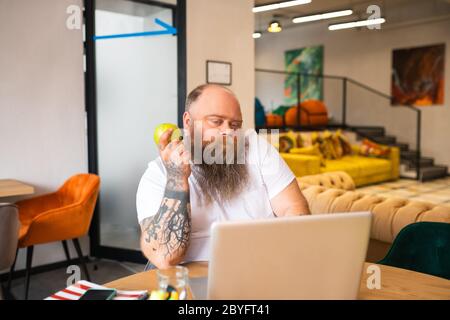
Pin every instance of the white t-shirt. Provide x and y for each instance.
(268, 176)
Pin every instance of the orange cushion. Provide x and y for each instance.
(313, 112)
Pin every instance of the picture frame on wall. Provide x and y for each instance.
(218, 72)
(418, 76)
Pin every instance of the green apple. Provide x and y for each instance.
(163, 127)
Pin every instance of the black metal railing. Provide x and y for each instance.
(344, 108)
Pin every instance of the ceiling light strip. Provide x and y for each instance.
(280, 5)
(356, 24)
(322, 16)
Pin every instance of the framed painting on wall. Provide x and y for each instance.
(218, 72)
(307, 61)
(418, 76)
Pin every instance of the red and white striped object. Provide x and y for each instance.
(74, 292)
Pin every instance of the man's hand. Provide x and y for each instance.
(175, 158)
(165, 235)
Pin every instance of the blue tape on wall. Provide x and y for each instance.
(168, 29)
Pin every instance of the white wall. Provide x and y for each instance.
(365, 55)
(222, 30)
(42, 118)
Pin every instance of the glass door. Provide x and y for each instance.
(135, 83)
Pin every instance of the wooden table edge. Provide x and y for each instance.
(397, 278)
(25, 189)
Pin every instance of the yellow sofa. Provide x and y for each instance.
(363, 170)
(334, 192)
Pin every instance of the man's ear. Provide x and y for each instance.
(187, 121)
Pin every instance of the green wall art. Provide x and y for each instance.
(306, 61)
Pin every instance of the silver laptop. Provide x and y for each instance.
(307, 257)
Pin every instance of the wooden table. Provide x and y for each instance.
(396, 284)
(10, 188)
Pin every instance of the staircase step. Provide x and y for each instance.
(424, 162)
(426, 174)
(401, 146)
(433, 172)
(387, 140)
(409, 154)
(375, 128)
(379, 132)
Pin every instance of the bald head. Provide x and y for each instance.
(211, 91)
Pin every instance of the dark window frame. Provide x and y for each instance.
(179, 21)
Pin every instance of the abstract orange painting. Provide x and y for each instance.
(418, 76)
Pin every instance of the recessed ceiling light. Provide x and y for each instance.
(356, 24)
(322, 16)
(279, 5)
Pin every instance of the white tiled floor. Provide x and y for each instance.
(436, 191)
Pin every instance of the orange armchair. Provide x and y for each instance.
(59, 216)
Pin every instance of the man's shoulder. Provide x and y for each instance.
(259, 147)
(155, 168)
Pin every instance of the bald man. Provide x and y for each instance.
(178, 199)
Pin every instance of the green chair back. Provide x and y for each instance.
(423, 247)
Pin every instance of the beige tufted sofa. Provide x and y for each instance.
(337, 180)
(334, 192)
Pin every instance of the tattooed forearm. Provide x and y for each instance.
(168, 232)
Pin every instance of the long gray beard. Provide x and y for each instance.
(220, 182)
